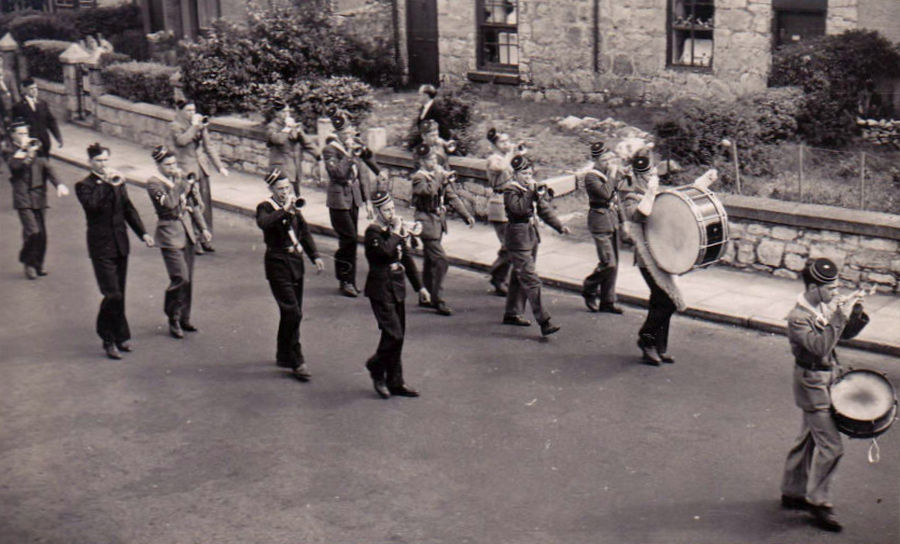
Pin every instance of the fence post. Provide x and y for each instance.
(737, 166)
(70, 59)
(800, 181)
(862, 180)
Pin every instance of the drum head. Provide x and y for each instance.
(672, 233)
(862, 395)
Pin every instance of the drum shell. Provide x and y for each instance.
(856, 428)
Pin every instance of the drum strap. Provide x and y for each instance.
(874, 452)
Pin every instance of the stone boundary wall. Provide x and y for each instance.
(55, 95)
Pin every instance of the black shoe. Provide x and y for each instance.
(500, 290)
(516, 320)
(443, 309)
(825, 520)
(198, 250)
(591, 302)
(423, 304)
(548, 328)
(301, 372)
(794, 503)
(112, 351)
(42, 272)
(188, 327)
(125, 346)
(284, 364)
(31, 272)
(403, 391)
(175, 330)
(381, 388)
(611, 309)
(668, 359)
(208, 248)
(651, 356)
(348, 290)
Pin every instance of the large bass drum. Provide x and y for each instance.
(863, 403)
(687, 229)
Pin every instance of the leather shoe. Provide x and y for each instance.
(175, 330)
(284, 364)
(381, 388)
(651, 356)
(443, 309)
(188, 327)
(591, 302)
(794, 503)
(42, 272)
(198, 250)
(348, 290)
(30, 272)
(500, 290)
(666, 358)
(548, 328)
(112, 351)
(301, 372)
(611, 309)
(825, 520)
(516, 320)
(403, 391)
(208, 248)
(125, 346)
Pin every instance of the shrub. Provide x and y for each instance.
(453, 113)
(42, 57)
(6, 19)
(108, 21)
(373, 62)
(832, 70)
(309, 98)
(132, 43)
(112, 58)
(44, 27)
(140, 82)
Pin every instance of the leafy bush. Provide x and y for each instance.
(44, 27)
(42, 57)
(140, 82)
(374, 62)
(309, 98)
(112, 58)
(132, 43)
(108, 21)
(453, 113)
(6, 19)
(832, 70)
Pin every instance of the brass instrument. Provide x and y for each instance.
(521, 148)
(33, 144)
(450, 176)
(114, 178)
(449, 145)
(541, 189)
(202, 119)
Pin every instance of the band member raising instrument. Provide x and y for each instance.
(601, 185)
(346, 193)
(287, 142)
(499, 172)
(815, 324)
(179, 209)
(195, 152)
(433, 189)
(29, 173)
(108, 209)
(386, 289)
(440, 147)
(521, 198)
(287, 238)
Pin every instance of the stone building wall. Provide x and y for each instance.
(881, 15)
(842, 15)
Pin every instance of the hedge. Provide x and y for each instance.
(44, 27)
(140, 82)
(42, 57)
(310, 98)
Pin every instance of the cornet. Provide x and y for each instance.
(203, 119)
(410, 228)
(521, 148)
(114, 178)
(449, 145)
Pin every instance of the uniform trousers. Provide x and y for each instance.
(112, 326)
(655, 331)
(434, 268)
(180, 267)
(525, 284)
(602, 280)
(387, 363)
(346, 225)
(34, 238)
(501, 266)
(206, 196)
(285, 274)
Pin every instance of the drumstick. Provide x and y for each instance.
(707, 179)
(858, 294)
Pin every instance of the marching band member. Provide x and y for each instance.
(346, 193)
(601, 186)
(426, 111)
(641, 188)
(432, 190)
(499, 172)
(29, 173)
(287, 142)
(440, 147)
(179, 209)
(195, 152)
(521, 197)
(287, 238)
(386, 289)
(108, 209)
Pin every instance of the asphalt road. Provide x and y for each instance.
(515, 439)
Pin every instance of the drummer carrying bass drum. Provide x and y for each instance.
(813, 331)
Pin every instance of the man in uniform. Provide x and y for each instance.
(603, 220)
(813, 331)
(29, 174)
(287, 143)
(520, 198)
(108, 209)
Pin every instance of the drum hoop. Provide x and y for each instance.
(890, 413)
(701, 219)
(865, 371)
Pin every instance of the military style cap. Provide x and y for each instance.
(520, 162)
(380, 198)
(273, 176)
(339, 121)
(16, 123)
(598, 148)
(641, 164)
(160, 153)
(822, 271)
(96, 149)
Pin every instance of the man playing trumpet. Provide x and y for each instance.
(432, 190)
(287, 142)
(441, 148)
(179, 208)
(29, 173)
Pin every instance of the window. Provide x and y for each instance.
(798, 20)
(498, 38)
(691, 33)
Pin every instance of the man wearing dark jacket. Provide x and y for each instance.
(108, 209)
(37, 114)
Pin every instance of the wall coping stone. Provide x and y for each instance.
(50, 86)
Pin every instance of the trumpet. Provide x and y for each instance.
(541, 189)
(114, 178)
(855, 296)
(450, 176)
(521, 148)
(33, 144)
(409, 228)
(449, 145)
(360, 149)
(203, 120)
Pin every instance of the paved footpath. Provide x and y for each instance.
(718, 294)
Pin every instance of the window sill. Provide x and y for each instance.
(503, 78)
(690, 68)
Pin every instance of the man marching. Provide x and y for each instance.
(287, 238)
(287, 142)
(385, 242)
(604, 216)
(432, 190)
(179, 208)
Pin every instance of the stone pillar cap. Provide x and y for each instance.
(74, 54)
(8, 43)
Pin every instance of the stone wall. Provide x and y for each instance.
(842, 15)
(881, 15)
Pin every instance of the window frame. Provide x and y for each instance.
(481, 25)
(692, 32)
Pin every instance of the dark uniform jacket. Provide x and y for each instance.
(29, 180)
(40, 120)
(345, 187)
(520, 203)
(193, 148)
(387, 262)
(430, 193)
(107, 209)
(604, 215)
(285, 151)
(175, 213)
(275, 222)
